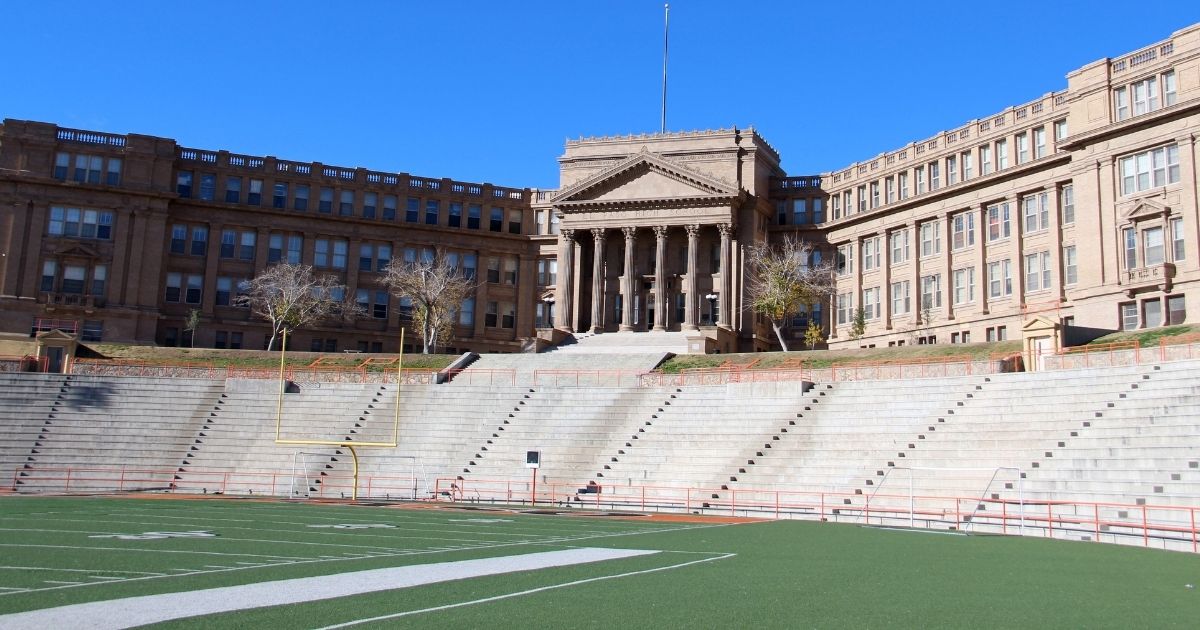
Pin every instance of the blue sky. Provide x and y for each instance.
(488, 91)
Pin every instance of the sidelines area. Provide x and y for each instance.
(226, 563)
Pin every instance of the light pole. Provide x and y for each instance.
(712, 307)
(549, 301)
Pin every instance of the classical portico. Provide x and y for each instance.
(647, 244)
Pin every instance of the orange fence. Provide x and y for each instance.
(301, 374)
(1147, 525)
(1118, 353)
(480, 376)
(1097, 521)
(594, 378)
(26, 363)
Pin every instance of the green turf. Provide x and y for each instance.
(784, 574)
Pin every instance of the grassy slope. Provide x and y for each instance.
(825, 358)
(256, 358)
(785, 574)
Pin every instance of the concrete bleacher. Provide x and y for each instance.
(1124, 436)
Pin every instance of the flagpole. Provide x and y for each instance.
(666, 33)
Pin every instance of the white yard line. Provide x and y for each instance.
(520, 593)
(76, 570)
(136, 611)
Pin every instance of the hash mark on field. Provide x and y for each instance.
(109, 578)
(59, 582)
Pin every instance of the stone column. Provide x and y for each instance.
(660, 278)
(598, 283)
(689, 288)
(726, 276)
(566, 279)
(627, 285)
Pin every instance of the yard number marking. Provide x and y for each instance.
(157, 535)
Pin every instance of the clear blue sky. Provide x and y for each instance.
(488, 91)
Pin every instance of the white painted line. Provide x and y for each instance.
(13, 589)
(137, 611)
(59, 582)
(520, 593)
(78, 570)
(105, 577)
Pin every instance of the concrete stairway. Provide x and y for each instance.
(652, 342)
(593, 369)
(25, 403)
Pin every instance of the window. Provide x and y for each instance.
(1121, 102)
(469, 266)
(432, 211)
(113, 177)
(931, 291)
(903, 178)
(383, 256)
(99, 277)
(300, 203)
(492, 315)
(985, 160)
(818, 210)
(963, 230)
(366, 257)
(1070, 266)
(455, 218)
(295, 244)
(228, 243)
(1152, 313)
(845, 260)
(1169, 88)
(199, 240)
(1152, 240)
(474, 211)
(341, 251)
(1066, 202)
(964, 285)
(874, 195)
(208, 186)
(935, 176)
(951, 170)
(899, 246)
(999, 221)
(220, 339)
(379, 310)
(547, 272)
(872, 254)
(919, 174)
(62, 162)
(194, 283)
(1022, 147)
(389, 207)
(835, 204)
(73, 280)
(871, 303)
(224, 291)
(246, 251)
(279, 195)
(799, 211)
(966, 157)
(862, 198)
(931, 238)
(362, 299)
(508, 315)
(510, 271)
(1176, 310)
(845, 304)
(1037, 271)
(1039, 143)
(183, 184)
(493, 270)
(514, 221)
(1145, 96)
(404, 308)
(233, 190)
(73, 222)
(1177, 241)
(900, 298)
(1001, 155)
(87, 168)
(325, 203)
(346, 203)
(370, 202)
(1130, 239)
(1000, 278)
(1129, 316)
(847, 205)
(49, 273)
(889, 189)
(1060, 130)
(254, 197)
(174, 286)
(321, 252)
(466, 313)
(1149, 169)
(275, 248)
(496, 221)
(178, 239)
(1036, 212)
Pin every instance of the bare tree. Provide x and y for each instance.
(292, 296)
(783, 278)
(191, 324)
(436, 289)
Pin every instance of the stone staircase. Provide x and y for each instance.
(651, 342)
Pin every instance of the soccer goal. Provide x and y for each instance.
(965, 498)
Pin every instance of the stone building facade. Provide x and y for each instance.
(1079, 207)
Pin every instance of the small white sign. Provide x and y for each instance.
(157, 535)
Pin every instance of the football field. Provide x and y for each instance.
(222, 563)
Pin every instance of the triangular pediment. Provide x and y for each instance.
(645, 177)
(77, 250)
(54, 335)
(1038, 324)
(1145, 209)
